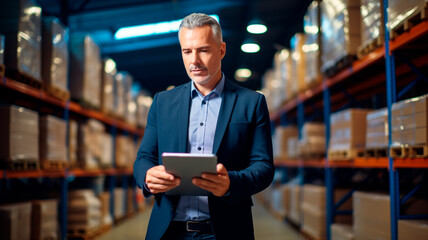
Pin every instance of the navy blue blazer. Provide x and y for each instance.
(242, 144)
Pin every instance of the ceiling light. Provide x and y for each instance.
(242, 74)
(250, 46)
(256, 27)
(151, 29)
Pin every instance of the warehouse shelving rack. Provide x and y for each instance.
(379, 69)
(65, 176)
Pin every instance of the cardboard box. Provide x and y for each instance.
(312, 46)
(73, 131)
(55, 54)
(83, 210)
(398, 9)
(44, 223)
(106, 218)
(91, 144)
(125, 151)
(313, 139)
(21, 25)
(371, 216)
(341, 232)
(295, 207)
(15, 221)
(53, 134)
(348, 129)
(282, 135)
(372, 22)
(377, 129)
(107, 84)
(20, 134)
(299, 60)
(314, 221)
(119, 203)
(412, 229)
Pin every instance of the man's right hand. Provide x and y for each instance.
(158, 180)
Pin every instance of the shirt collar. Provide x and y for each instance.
(218, 89)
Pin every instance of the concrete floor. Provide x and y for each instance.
(267, 227)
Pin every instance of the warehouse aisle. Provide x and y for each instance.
(267, 227)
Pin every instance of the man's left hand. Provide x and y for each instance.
(218, 184)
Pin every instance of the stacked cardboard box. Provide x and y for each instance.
(144, 102)
(106, 218)
(372, 25)
(312, 143)
(412, 229)
(15, 221)
(295, 204)
(340, 37)
(119, 95)
(73, 131)
(299, 61)
(293, 147)
(125, 151)
(44, 219)
(371, 212)
(91, 149)
(21, 24)
(119, 203)
(280, 200)
(409, 122)
(341, 231)
(124, 97)
(106, 145)
(311, 48)
(85, 70)
(399, 11)
(347, 133)
(20, 134)
(53, 146)
(107, 84)
(377, 129)
(273, 89)
(84, 210)
(314, 210)
(280, 141)
(55, 54)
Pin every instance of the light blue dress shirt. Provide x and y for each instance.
(202, 125)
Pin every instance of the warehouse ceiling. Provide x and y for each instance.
(155, 61)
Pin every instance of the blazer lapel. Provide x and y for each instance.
(227, 105)
(183, 119)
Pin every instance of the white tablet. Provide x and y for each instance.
(187, 166)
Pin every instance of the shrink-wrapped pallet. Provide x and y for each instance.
(20, 22)
(119, 203)
(347, 133)
(340, 22)
(106, 218)
(377, 129)
(20, 134)
(299, 61)
(129, 107)
(90, 150)
(107, 94)
(106, 144)
(400, 11)
(144, 102)
(85, 70)
(281, 137)
(412, 229)
(312, 143)
(295, 204)
(311, 48)
(53, 134)
(44, 219)
(273, 87)
(119, 95)
(55, 56)
(341, 231)
(84, 210)
(372, 26)
(15, 221)
(125, 151)
(409, 122)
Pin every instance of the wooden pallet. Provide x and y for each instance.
(369, 47)
(376, 152)
(348, 154)
(24, 78)
(420, 15)
(20, 165)
(57, 93)
(417, 151)
(307, 236)
(344, 62)
(86, 234)
(54, 165)
(87, 105)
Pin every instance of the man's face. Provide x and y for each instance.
(202, 54)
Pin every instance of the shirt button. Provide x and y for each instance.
(201, 124)
(199, 148)
(203, 102)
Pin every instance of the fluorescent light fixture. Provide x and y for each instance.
(256, 27)
(250, 47)
(242, 74)
(151, 29)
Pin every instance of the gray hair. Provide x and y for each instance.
(195, 20)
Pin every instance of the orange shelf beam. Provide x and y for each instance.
(34, 174)
(372, 162)
(411, 163)
(414, 33)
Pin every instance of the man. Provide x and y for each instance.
(207, 115)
